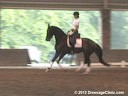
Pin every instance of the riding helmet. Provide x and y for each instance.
(76, 13)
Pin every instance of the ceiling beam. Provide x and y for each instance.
(65, 4)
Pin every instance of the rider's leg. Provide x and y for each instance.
(73, 42)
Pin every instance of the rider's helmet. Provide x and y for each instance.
(76, 13)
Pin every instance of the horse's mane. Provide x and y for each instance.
(58, 30)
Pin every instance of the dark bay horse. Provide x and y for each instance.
(62, 48)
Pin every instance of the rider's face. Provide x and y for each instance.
(76, 16)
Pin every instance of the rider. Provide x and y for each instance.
(74, 31)
(75, 23)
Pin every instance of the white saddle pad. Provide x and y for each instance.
(78, 43)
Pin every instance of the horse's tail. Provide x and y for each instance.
(99, 53)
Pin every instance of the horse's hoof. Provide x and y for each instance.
(85, 73)
(64, 70)
(77, 70)
(47, 69)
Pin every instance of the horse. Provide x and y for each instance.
(62, 48)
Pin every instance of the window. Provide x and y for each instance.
(119, 29)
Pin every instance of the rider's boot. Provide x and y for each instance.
(71, 52)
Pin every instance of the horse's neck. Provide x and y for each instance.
(59, 36)
(59, 39)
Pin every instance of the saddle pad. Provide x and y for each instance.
(78, 43)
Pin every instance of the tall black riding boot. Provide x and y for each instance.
(71, 52)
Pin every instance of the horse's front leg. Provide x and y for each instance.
(54, 58)
(49, 67)
(60, 57)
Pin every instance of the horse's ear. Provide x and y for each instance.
(48, 25)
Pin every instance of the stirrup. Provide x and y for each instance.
(71, 52)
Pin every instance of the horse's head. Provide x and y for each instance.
(49, 33)
(57, 32)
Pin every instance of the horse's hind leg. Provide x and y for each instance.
(87, 68)
(87, 61)
(82, 65)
